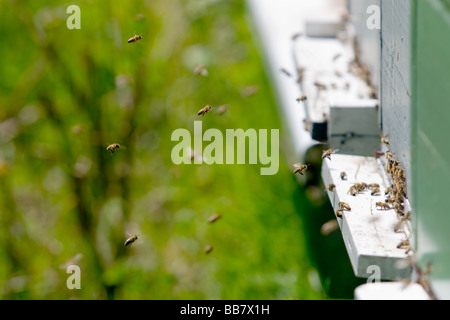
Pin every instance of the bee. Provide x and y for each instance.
(135, 38)
(328, 227)
(214, 218)
(328, 153)
(208, 249)
(389, 200)
(383, 205)
(353, 191)
(343, 175)
(222, 109)
(375, 191)
(360, 187)
(388, 191)
(201, 70)
(320, 86)
(373, 185)
(302, 98)
(338, 213)
(344, 206)
(385, 140)
(389, 156)
(403, 244)
(300, 168)
(286, 72)
(331, 187)
(113, 147)
(204, 110)
(403, 220)
(130, 240)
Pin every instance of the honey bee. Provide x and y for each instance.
(389, 156)
(389, 200)
(385, 140)
(383, 205)
(135, 38)
(375, 191)
(338, 213)
(344, 206)
(403, 244)
(320, 86)
(373, 185)
(388, 191)
(222, 109)
(201, 70)
(208, 249)
(331, 187)
(113, 147)
(214, 218)
(204, 110)
(328, 153)
(286, 72)
(403, 220)
(343, 175)
(302, 98)
(130, 240)
(328, 227)
(300, 168)
(353, 191)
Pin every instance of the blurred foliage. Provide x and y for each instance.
(65, 95)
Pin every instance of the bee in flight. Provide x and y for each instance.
(113, 147)
(135, 38)
(204, 110)
(302, 98)
(300, 168)
(214, 218)
(208, 249)
(130, 240)
(328, 153)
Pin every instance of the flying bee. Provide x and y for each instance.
(328, 227)
(375, 191)
(344, 206)
(328, 153)
(353, 191)
(214, 218)
(343, 175)
(135, 38)
(331, 187)
(300, 168)
(385, 140)
(201, 70)
(222, 109)
(130, 240)
(208, 249)
(383, 205)
(113, 147)
(302, 98)
(204, 110)
(287, 73)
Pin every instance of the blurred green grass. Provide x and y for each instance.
(67, 94)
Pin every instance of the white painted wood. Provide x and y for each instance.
(368, 231)
(390, 291)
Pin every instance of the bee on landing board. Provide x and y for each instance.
(130, 240)
(300, 168)
(135, 38)
(202, 112)
(113, 147)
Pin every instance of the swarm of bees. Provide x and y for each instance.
(204, 110)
